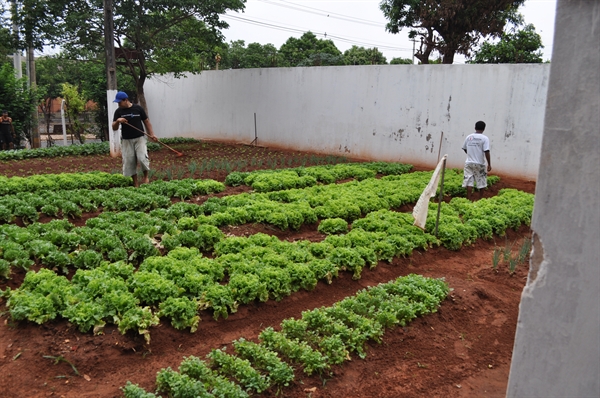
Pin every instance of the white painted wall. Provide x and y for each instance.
(388, 112)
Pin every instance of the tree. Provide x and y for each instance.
(88, 76)
(75, 106)
(309, 51)
(522, 46)
(401, 61)
(18, 99)
(153, 37)
(364, 56)
(449, 26)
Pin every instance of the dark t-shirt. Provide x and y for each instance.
(134, 115)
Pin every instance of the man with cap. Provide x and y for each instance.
(132, 118)
(7, 131)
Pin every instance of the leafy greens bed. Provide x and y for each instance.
(176, 286)
(322, 337)
(79, 150)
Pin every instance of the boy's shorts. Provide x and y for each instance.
(475, 173)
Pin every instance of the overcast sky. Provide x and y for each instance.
(347, 23)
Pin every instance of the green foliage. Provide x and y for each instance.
(182, 311)
(333, 226)
(309, 51)
(516, 47)
(364, 56)
(240, 369)
(19, 100)
(237, 56)
(401, 61)
(75, 105)
(159, 37)
(131, 390)
(448, 26)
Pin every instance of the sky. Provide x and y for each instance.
(347, 23)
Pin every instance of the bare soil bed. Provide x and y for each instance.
(463, 350)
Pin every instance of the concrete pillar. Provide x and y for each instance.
(557, 344)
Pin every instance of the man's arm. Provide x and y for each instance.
(489, 162)
(150, 130)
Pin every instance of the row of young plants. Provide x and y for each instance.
(64, 181)
(244, 269)
(88, 149)
(116, 236)
(284, 209)
(72, 203)
(321, 338)
(45, 194)
(290, 209)
(300, 177)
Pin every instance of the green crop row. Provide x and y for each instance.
(321, 338)
(133, 236)
(100, 148)
(72, 203)
(301, 177)
(259, 267)
(64, 181)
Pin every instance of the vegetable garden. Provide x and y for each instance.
(244, 271)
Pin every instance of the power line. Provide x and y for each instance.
(317, 11)
(349, 40)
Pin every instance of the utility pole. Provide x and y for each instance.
(111, 76)
(413, 57)
(31, 80)
(17, 55)
(109, 45)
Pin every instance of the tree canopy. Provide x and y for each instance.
(308, 50)
(18, 99)
(152, 37)
(449, 26)
(364, 56)
(516, 47)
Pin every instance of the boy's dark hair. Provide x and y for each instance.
(480, 126)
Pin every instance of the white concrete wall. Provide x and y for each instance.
(389, 112)
(557, 344)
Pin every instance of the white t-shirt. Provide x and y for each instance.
(476, 144)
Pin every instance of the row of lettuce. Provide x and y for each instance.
(70, 195)
(89, 149)
(321, 338)
(133, 236)
(242, 269)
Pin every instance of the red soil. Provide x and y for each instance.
(463, 350)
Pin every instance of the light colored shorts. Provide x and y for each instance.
(134, 150)
(475, 173)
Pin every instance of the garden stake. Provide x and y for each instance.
(179, 154)
(437, 219)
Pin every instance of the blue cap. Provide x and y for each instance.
(120, 96)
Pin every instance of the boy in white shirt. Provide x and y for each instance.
(477, 148)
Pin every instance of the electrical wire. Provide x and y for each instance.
(349, 40)
(317, 11)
